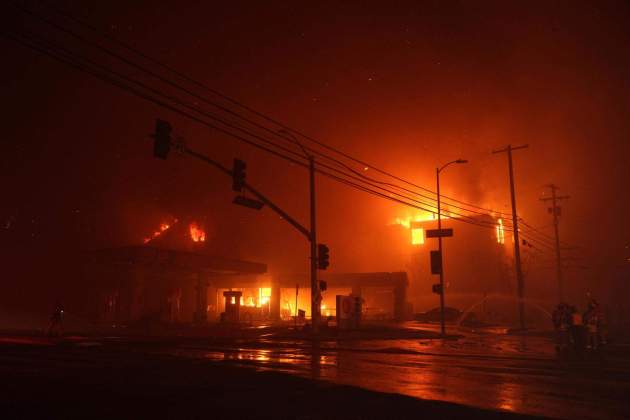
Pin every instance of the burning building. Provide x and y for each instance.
(477, 260)
(166, 279)
(171, 278)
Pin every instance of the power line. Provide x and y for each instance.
(279, 154)
(215, 117)
(259, 114)
(107, 78)
(179, 103)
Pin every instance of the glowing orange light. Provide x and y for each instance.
(417, 236)
(500, 232)
(196, 233)
(419, 217)
(163, 227)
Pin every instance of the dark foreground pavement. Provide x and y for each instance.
(40, 379)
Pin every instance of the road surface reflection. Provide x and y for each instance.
(501, 372)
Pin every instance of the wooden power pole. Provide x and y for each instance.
(555, 211)
(517, 249)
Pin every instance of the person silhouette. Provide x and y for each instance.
(56, 321)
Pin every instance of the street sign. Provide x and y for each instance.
(248, 202)
(436, 233)
(436, 262)
(437, 288)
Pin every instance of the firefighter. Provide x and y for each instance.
(592, 322)
(577, 330)
(56, 321)
(561, 325)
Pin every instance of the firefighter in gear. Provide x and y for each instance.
(561, 318)
(577, 330)
(591, 321)
(594, 320)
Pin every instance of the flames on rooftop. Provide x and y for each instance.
(195, 232)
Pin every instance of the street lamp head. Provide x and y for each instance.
(450, 163)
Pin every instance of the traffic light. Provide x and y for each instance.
(162, 136)
(238, 175)
(436, 262)
(323, 285)
(323, 259)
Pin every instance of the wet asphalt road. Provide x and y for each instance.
(494, 371)
(486, 370)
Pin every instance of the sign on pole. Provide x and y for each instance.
(436, 233)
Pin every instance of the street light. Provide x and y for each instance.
(437, 173)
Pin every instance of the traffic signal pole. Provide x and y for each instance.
(251, 189)
(162, 145)
(517, 248)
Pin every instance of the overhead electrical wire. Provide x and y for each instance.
(68, 59)
(236, 126)
(239, 127)
(81, 22)
(70, 55)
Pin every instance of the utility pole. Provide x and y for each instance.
(297, 288)
(315, 295)
(517, 248)
(555, 211)
(442, 321)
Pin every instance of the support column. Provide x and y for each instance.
(274, 303)
(201, 308)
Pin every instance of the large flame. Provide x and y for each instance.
(264, 296)
(417, 233)
(196, 233)
(500, 232)
(418, 217)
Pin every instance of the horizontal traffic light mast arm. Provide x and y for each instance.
(258, 195)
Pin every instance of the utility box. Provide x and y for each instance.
(348, 311)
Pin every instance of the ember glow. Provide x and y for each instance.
(196, 233)
(264, 296)
(163, 227)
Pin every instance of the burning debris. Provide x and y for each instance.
(163, 228)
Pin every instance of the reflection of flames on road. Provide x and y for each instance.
(196, 233)
(163, 228)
